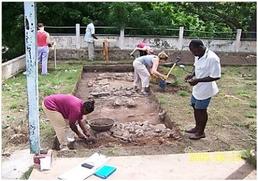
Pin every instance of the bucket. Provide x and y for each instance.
(162, 84)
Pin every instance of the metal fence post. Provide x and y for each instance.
(181, 37)
(121, 38)
(78, 36)
(238, 38)
(30, 21)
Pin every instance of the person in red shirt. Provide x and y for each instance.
(43, 42)
(143, 48)
(64, 111)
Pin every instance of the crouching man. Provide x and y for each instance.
(66, 111)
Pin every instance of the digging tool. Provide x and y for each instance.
(55, 53)
(162, 82)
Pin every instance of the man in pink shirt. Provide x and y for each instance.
(63, 110)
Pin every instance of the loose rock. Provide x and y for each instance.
(130, 103)
(162, 115)
(90, 84)
(118, 102)
(6, 154)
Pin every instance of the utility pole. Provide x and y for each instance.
(30, 23)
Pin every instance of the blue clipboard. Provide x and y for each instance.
(105, 171)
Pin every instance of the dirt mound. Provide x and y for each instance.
(18, 139)
(15, 134)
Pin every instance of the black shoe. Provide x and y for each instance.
(197, 136)
(71, 145)
(193, 130)
(56, 144)
(144, 93)
(136, 89)
(147, 89)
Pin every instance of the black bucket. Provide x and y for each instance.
(162, 84)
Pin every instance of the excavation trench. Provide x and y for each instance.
(138, 120)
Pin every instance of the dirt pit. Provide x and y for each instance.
(138, 120)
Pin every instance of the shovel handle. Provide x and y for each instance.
(171, 70)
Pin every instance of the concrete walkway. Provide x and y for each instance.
(16, 165)
(215, 165)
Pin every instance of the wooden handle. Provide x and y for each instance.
(171, 69)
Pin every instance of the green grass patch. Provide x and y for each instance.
(61, 80)
(250, 156)
(26, 175)
(243, 93)
(232, 108)
(46, 130)
(252, 104)
(162, 99)
(14, 94)
(250, 115)
(183, 93)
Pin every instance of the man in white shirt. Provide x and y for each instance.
(206, 71)
(89, 38)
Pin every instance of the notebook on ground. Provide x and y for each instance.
(105, 171)
(80, 173)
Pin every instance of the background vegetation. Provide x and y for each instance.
(214, 19)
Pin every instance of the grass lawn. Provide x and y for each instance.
(232, 113)
(14, 99)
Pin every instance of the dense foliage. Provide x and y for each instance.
(150, 18)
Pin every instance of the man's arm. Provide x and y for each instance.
(208, 79)
(75, 129)
(137, 48)
(193, 82)
(92, 27)
(215, 74)
(94, 36)
(154, 68)
(49, 42)
(83, 127)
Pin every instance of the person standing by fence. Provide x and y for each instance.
(43, 42)
(143, 48)
(89, 38)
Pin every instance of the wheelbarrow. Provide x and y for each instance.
(163, 82)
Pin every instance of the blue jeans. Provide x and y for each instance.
(43, 58)
(200, 104)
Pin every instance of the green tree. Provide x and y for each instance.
(200, 19)
(12, 30)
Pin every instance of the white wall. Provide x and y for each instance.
(13, 66)
(69, 42)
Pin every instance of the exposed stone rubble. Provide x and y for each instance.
(90, 84)
(162, 115)
(100, 87)
(120, 95)
(116, 76)
(133, 131)
(124, 101)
